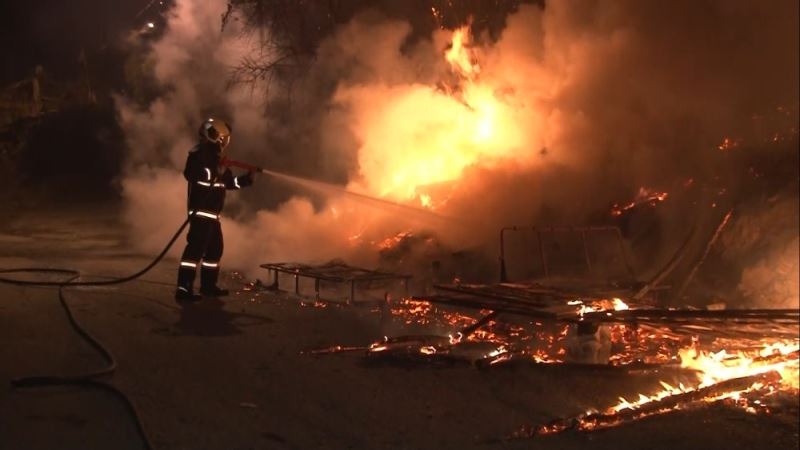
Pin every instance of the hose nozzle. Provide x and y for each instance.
(225, 162)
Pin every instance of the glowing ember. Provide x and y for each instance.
(427, 350)
(739, 372)
(437, 15)
(644, 196)
(392, 242)
(598, 305)
(619, 305)
(728, 144)
(425, 200)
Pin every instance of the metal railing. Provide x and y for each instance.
(584, 231)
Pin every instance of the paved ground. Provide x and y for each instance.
(231, 375)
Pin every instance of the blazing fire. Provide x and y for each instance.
(460, 57)
(714, 368)
(743, 379)
(423, 135)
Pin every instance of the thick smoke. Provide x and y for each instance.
(590, 102)
(191, 63)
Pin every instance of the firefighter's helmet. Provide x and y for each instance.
(216, 131)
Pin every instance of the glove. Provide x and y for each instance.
(245, 180)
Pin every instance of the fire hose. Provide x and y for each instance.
(225, 162)
(89, 379)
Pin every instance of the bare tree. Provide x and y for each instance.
(291, 30)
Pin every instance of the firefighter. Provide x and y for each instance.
(207, 186)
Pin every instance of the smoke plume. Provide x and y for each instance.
(574, 107)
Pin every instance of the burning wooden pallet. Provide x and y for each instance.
(546, 303)
(533, 299)
(594, 297)
(761, 361)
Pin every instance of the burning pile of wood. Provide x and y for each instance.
(736, 357)
(739, 380)
(741, 357)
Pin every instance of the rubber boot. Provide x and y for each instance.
(185, 290)
(208, 283)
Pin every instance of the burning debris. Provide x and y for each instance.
(744, 372)
(744, 380)
(741, 357)
(643, 197)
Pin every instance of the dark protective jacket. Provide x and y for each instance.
(207, 184)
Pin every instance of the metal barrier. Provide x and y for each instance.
(336, 272)
(584, 231)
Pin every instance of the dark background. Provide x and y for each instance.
(53, 33)
(76, 148)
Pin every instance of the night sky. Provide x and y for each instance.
(53, 32)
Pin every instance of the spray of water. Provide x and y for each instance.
(332, 190)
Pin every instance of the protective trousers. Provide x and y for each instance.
(203, 247)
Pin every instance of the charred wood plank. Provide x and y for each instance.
(651, 315)
(596, 421)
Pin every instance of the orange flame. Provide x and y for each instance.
(459, 56)
(716, 367)
(418, 136)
